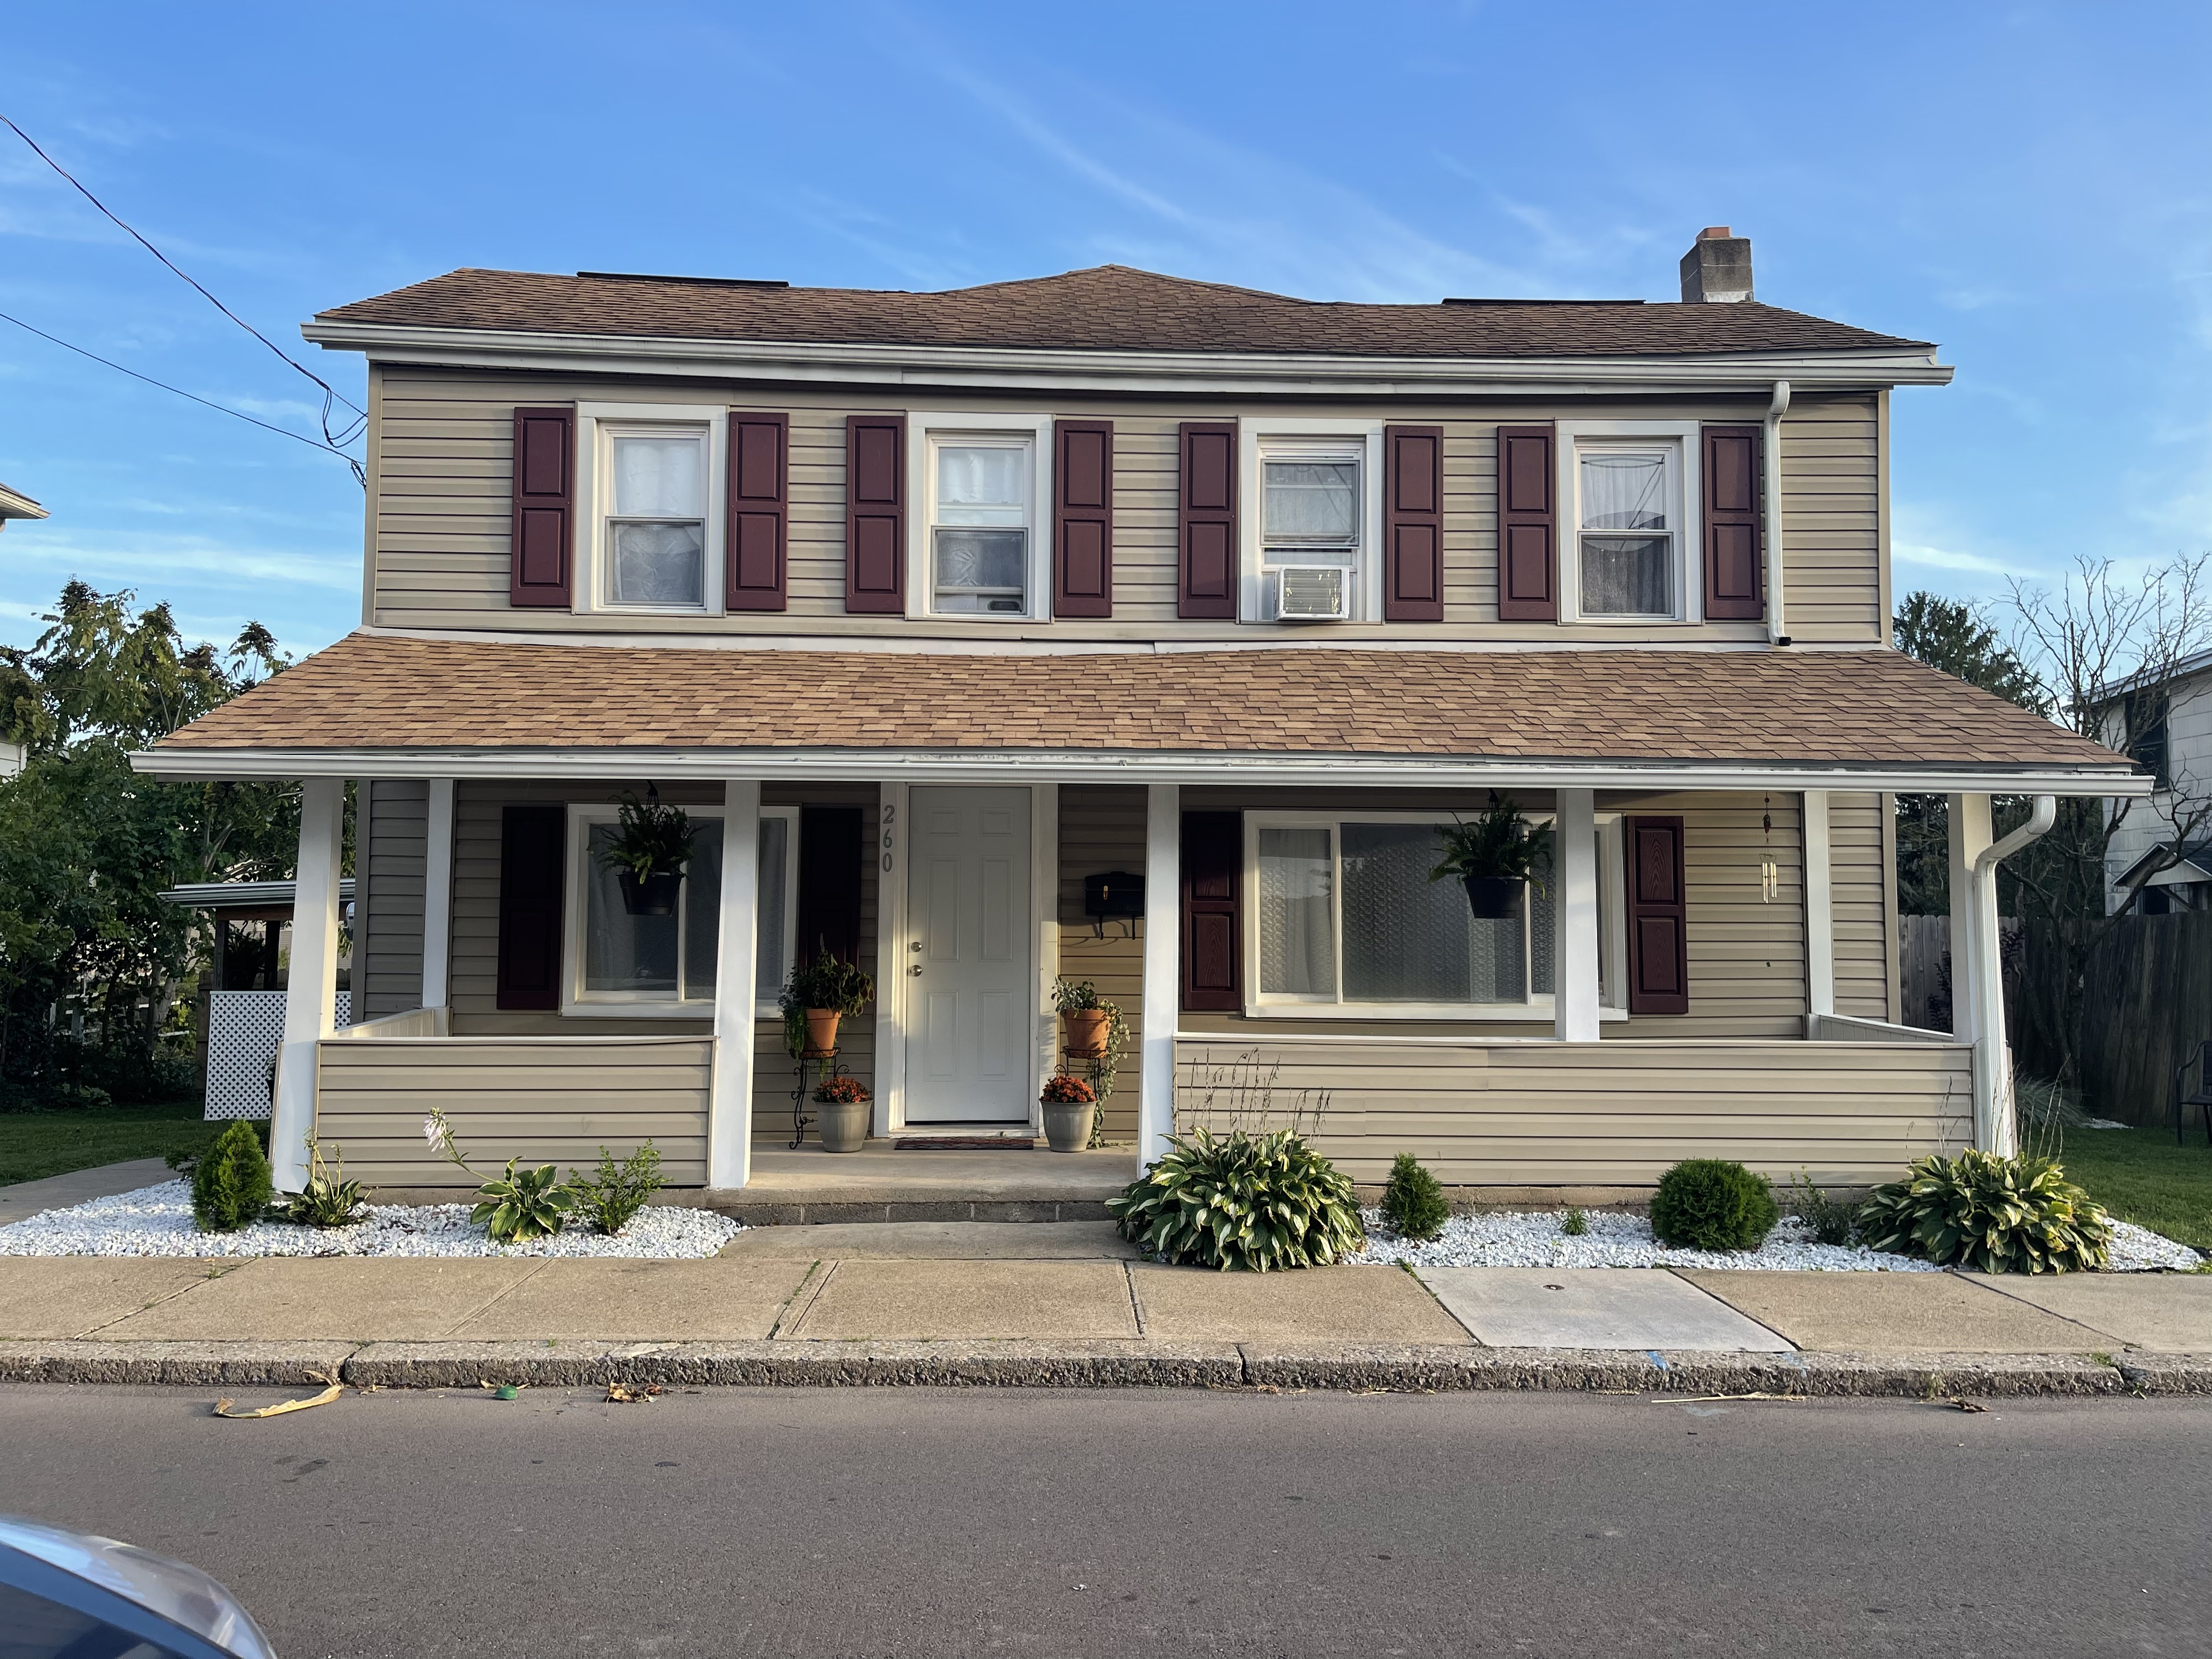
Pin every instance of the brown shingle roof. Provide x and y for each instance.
(1849, 708)
(1107, 307)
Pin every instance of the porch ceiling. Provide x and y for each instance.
(384, 705)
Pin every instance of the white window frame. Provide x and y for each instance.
(1253, 432)
(1688, 575)
(595, 497)
(626, 1005)
(1613, 929)
(924, 429)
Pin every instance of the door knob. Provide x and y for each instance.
(915, 970)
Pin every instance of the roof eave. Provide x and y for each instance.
(1121, 371)
(181, 765)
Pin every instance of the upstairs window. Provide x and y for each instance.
(655, 534)
(1311, 511)
(1628, 530)
(982, 502)
(2145, 713)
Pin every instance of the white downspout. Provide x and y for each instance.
(1995, 1128)
(1776, 632)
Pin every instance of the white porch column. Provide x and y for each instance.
(1977, 1017)
(1162, 968)
(310, 996)
(1819, 909)
(730, 1109)
(1574, 910)
(437, 891)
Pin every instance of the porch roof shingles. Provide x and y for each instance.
(1860, 706)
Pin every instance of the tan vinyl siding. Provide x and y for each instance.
(1746, 955)
(540, 1102)
(1858, 883)
(440, 512)
(475, 981)
(1101, 827)
(1602, 1115)
(390, 861)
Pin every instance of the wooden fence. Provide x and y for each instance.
(2145, 989)
(1923, 968)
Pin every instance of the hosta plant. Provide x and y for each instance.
(1246, 1202)
(522, 1205)
(1995, 1215)
(328, 1199)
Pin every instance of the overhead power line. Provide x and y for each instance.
(330, 393)
(360, 476)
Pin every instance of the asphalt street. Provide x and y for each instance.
(860, 1521)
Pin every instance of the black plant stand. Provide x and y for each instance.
(826, 1059)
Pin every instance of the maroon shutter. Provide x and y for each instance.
(754, 553)
(531, 843)
(875, 513)
(1207, 521)
(1658, 938)
(1412, 524)
(541, 557)
(1728, 489)
(1212, 944)
(1528, 525)
(830, 881)
(1082, 519)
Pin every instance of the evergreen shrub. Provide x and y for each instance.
(1413, 1201)
(231, 1184)
(1711, 1204)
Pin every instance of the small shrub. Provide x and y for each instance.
(606, 1200)
(1061, 1090)
(1832, 1220)
(328, 1199)
(522, 1205)
(1413, 1199)
(1710, 1204)
(1246, 1201)
(231, 1185)
(1574, 1222)
(1998, 1215)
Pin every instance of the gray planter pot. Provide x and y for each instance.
(1067, 1125)
(843, 1124)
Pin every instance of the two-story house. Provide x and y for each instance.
(930, 606)
(2159, 856)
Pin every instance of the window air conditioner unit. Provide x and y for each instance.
(1313, 592)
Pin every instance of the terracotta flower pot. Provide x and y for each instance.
(1493, 899)
(821, 1031)
(653, 896)
(843, 1124)
(1086, 1032)
(1067, 1125)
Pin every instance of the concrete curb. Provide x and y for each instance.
(1327, 1367)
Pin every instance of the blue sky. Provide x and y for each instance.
(2027, 185)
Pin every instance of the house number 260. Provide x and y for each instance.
(890, 835)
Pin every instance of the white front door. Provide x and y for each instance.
(971, 989)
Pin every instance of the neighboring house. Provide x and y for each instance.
(930, 606)
(14, 504)
(2167, 730)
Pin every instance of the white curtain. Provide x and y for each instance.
(658, 477)
(981, 485)
(1298, 940)
(1312, 501)
(1624, 492)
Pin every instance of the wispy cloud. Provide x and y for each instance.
(156, 559)
(1944, 558)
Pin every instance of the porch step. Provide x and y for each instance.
(881, 1183)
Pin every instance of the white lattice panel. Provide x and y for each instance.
(245, 1030)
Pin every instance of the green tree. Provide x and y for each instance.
(86, 845)
(1956, 638)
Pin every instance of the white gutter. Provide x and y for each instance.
(1776, 632)
(859, 765)
(1220, 373)
(1995, 1128)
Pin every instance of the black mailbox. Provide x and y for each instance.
(1116, 893)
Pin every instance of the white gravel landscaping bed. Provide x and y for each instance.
(157, 1220)
(1506, 1240)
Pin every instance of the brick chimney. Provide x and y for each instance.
(1717, 270)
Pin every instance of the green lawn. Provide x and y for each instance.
(35, 1144)
(2141, 1175)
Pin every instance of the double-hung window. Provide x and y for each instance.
(653, 518)
(620, 962)
(1312, 511)
(1343, 916)
(982, 522)
(1628, 492)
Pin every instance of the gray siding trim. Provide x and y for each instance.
(390, 855)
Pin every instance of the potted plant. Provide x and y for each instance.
(841, 1105)
(1494, 858)
(1068, 1104)
(817, 995)
(1085, 1015)
(648, 851)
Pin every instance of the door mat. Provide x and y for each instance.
(963, 1144)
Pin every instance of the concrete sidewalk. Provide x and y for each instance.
(1066, 1301)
